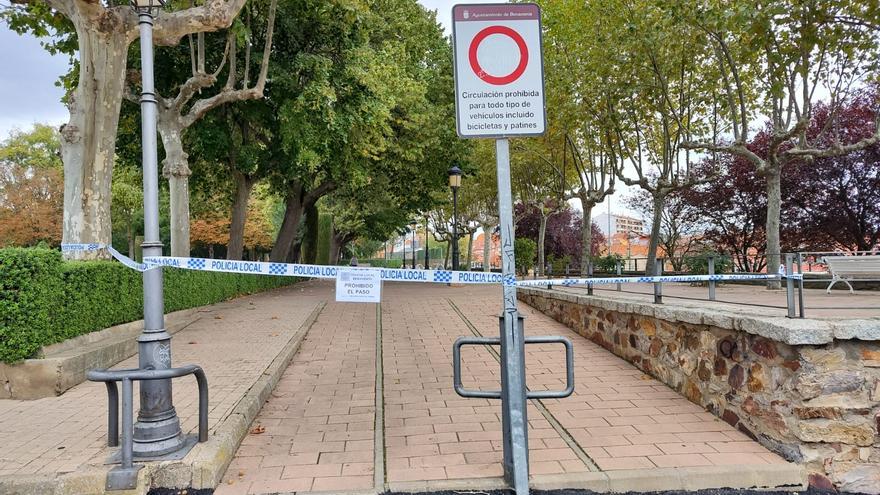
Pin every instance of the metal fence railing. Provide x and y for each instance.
(798, 272)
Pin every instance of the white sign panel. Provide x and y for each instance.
(499, 73)
(358, 285)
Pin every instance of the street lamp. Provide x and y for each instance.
(412, 226)
(454, 184)
(427, 257)
(157, 431)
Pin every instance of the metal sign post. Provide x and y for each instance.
(514, 420)
(499, 93)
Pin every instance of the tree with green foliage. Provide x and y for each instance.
(362, 97)
(179, 112)
(577, 98)
(128, 202)
(773, 61)
(97, 36)
(524, 254)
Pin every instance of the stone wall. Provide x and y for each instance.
(795, 386)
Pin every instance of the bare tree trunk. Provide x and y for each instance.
(470, 250)
(659, 200)
(175, 168)
(774, 208)
(337, 242)
(487, 243)
(333, 249)
(542, 233)
(586, 236)
(238, 218)
(290, 224)
(309, 243)
(130, 232)
(88, 140)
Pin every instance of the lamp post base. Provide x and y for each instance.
(158, 437)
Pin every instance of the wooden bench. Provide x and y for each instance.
(847, 268)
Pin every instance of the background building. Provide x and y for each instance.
(619, 224)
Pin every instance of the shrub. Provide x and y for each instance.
(44, 300)
(30, 291)
(524, 254)
(558, 265)
(608, 263)
(699, 264)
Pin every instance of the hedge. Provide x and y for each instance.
(44, 300)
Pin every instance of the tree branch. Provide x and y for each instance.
(214, 15)
(836, 149)
(227, 95)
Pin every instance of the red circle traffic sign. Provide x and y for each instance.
(523, 55)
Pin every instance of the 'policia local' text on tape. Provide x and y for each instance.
(390, 274)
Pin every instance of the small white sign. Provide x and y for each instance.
(499, 70)
(358, 285)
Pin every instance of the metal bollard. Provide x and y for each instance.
(590, 275)
(800, 285)
(789, 286)
(658, 286)
(711, 261)
(619, 273)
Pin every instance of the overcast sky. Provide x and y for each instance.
(28, 74)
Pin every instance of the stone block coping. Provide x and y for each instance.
(64, 365)
(791, 331)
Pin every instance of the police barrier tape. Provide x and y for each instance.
(391, 274)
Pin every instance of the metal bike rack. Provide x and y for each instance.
(496, 394)
(513, 412)
(124, 477)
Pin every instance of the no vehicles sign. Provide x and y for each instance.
(499, 73)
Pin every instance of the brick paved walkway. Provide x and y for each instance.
(319, 422)
(319, 425)
(233, 341)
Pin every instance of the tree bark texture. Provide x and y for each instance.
(650, 267)
(289, 226)
(88, 140)
(238, 217)
(587, 237)
(470, 250)
(487, 244)
(175, 168)
(542, 234)
(310, 236)
(774, 209)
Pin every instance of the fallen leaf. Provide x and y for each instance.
(218, 317)
(274, 317)
(274, 335)
(258, 430)
(230, 482)
(192, 342)
(645, 377)
(241, 473)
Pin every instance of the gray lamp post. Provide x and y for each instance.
(412, 226)
(427, 256)
(454, 184)
(157, 431)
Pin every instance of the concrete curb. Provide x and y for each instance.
(203, 467)
(776, 476)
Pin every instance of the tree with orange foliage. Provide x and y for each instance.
(31, 188)
(213, 228)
